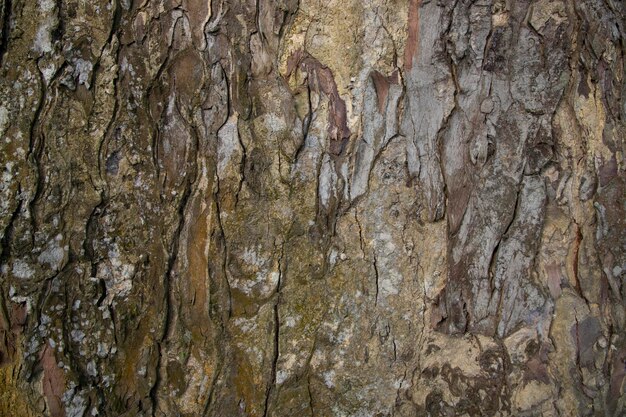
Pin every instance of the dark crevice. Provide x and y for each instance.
(7, 11)
(169, 300)
(5, 243)
(225, 256)
(377, 277)
(35, 149)
(59, 31)
(272, 384)
(306, 124)
(117, 20)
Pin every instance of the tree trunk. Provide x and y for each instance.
(316, 208)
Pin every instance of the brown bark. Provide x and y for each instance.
(312, 208)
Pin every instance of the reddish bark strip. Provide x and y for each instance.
(10, 328)
(320, 78)
(381, 84)
(53, 382)
(413, 34)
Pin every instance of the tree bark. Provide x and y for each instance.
(312, 208)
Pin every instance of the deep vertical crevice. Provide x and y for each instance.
(7, 10)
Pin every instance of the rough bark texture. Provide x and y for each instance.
(312, 208)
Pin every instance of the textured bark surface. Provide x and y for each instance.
(312, 208)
